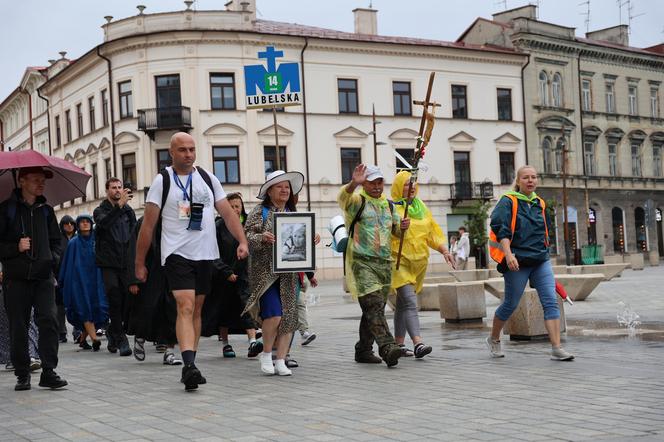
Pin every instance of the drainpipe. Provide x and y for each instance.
(306, 138)
(29, 114)
(583, 151)
(523, 104)
(48, 120)
(112, 107)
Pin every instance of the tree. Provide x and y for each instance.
(477, 229)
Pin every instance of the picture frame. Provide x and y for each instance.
(294, 249)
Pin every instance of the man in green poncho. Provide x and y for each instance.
(368, 260)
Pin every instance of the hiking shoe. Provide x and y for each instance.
(494, 348)
(191, 377)
(96, 344)
(35, 364)
(228, 351)
(255, 348)
(392, 356)
(266, 363)
(171, 359)
(139, 349)
(407, 352)
(308, 337)
(22, 383)
(161, 348)
(559, 354)
(422, 350)
(112, 347)
(367, 358)
(50, 379)
(124, 347)
(281, 368)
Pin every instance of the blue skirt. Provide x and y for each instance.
(270, 302)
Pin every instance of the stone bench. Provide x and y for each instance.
(474, 275)
(578, 287)
(427, 299)
(527, 321)
(439, 279)
(462, 301)
(609, 271)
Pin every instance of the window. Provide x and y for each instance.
(586, 95)
(163, 159)
(222, 91)
(79, 119)
(104, 108)
(613, 159)
(347, 96)
(557, 90)
(504, 104)
(463, 187)
(632, 92)
(543, 83)
(657, 160)
(107, 168)
(407, 155)
(546, 155)
(91, 111)
(654, 102)
(640, 224)
(68, 123)
(401, 96)
(610, 98)
(506, 167)
(226, 164)
(270, 158)
(58, 136)
(589, 157)
(126, 104)
(129, 169)
(618, 230)
(636, 160)
(459, 106)
(560, 147)
(350, 158)
(95, 182)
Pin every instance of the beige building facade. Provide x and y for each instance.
(597, 102)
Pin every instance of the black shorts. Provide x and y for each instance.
(184, 274)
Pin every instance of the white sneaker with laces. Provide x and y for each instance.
(266, 363)
(494, 348)
(280, 367)
(559, 354)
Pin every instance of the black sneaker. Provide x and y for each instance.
(50, 379)
(191, 377)
(422, 350)
(124, 347)
(22, 383)
(112, 346)
(255, 348)
(84, 345)
(96, 345)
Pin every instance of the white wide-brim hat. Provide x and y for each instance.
(296, 180)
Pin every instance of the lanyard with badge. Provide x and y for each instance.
(187, 209)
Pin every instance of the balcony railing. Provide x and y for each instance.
(471, 191)
(164, 118)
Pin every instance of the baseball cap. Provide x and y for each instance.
(373, 173)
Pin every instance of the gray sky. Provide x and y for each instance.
(33, 31)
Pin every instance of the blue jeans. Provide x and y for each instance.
(541, 278)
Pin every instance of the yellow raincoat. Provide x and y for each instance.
(424, 233)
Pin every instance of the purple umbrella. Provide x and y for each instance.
(68, 182)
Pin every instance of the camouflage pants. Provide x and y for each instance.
(373, 325)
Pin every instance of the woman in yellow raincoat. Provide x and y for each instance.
(424, 233)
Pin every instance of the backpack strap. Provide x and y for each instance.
(208, 181)
(166, 187)
(357, 216)
(546, 227)
(264, 213)
(515, 209)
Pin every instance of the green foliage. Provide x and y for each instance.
(477, 223)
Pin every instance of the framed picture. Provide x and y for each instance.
(294, 249)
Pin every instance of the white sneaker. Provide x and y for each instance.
(266, 363)
(280, 367)
(495, 348)
(559, 354)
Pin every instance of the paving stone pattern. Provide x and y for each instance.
(613, 391)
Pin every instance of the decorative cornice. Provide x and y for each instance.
(550, 61)
(633, 80)
(587, 74)
(610, 76)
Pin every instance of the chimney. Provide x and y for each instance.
(528, 11)
(365, 21)
(616, 34)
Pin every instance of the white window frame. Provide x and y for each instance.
(586, 94)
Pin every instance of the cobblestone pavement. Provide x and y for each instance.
(614, 390)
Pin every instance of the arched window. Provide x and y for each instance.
(546, 155)
(544, 88)
(560, 146)
(618, 230)
(557, 90)
(640, 224)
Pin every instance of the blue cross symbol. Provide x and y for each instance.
(270, 54)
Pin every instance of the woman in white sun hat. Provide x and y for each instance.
(272, 300)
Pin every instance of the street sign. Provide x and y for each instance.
(272, 86)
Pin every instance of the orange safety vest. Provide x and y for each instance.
(495, 248)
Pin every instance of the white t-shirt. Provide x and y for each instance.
(195, 245)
